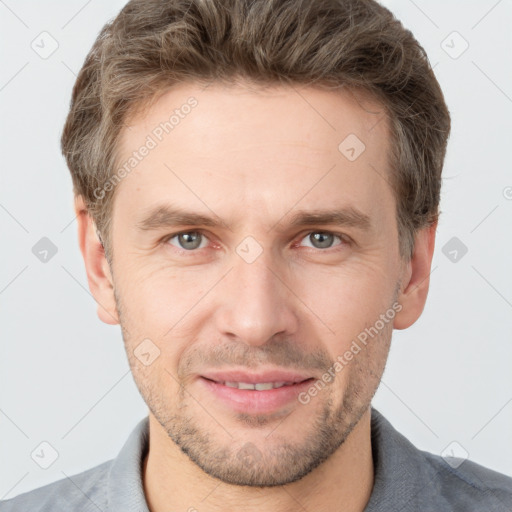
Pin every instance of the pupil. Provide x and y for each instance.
(322, 240)
(190, 240)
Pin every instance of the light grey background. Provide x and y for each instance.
(64, 375)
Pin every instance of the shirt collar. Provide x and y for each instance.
(125, 490)
(400, 472)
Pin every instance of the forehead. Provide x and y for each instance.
(238, 147)
(269, 112)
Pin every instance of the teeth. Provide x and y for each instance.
(244, 385)
(260, 386)
(263, 386)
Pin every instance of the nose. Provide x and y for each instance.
(257, 303)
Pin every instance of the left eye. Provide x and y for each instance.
(321, 239)
(188, 240)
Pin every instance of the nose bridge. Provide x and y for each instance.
(256, 305)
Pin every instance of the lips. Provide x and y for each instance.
(255, 393)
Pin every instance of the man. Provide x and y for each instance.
(257, 187)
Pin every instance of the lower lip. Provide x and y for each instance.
(253, 401)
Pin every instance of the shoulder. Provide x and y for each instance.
(411, 480)
(85, 491)
(468, 486)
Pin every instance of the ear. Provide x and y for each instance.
(416, 278)
(96, 265)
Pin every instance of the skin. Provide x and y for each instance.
(253, 158)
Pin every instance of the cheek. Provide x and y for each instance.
(346, 299)
(159, 297)
(166, 307)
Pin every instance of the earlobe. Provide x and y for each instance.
(416, 279)
(97, 268)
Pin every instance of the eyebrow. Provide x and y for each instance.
(168, 216)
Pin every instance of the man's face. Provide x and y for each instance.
(254, 297)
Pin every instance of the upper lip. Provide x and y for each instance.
(254, 378)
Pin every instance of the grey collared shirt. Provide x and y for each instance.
(406, 479)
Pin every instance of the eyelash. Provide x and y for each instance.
(345, 240)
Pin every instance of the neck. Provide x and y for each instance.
(343, 482)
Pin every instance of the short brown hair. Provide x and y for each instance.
(356, 44)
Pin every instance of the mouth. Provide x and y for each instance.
(253, 393)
